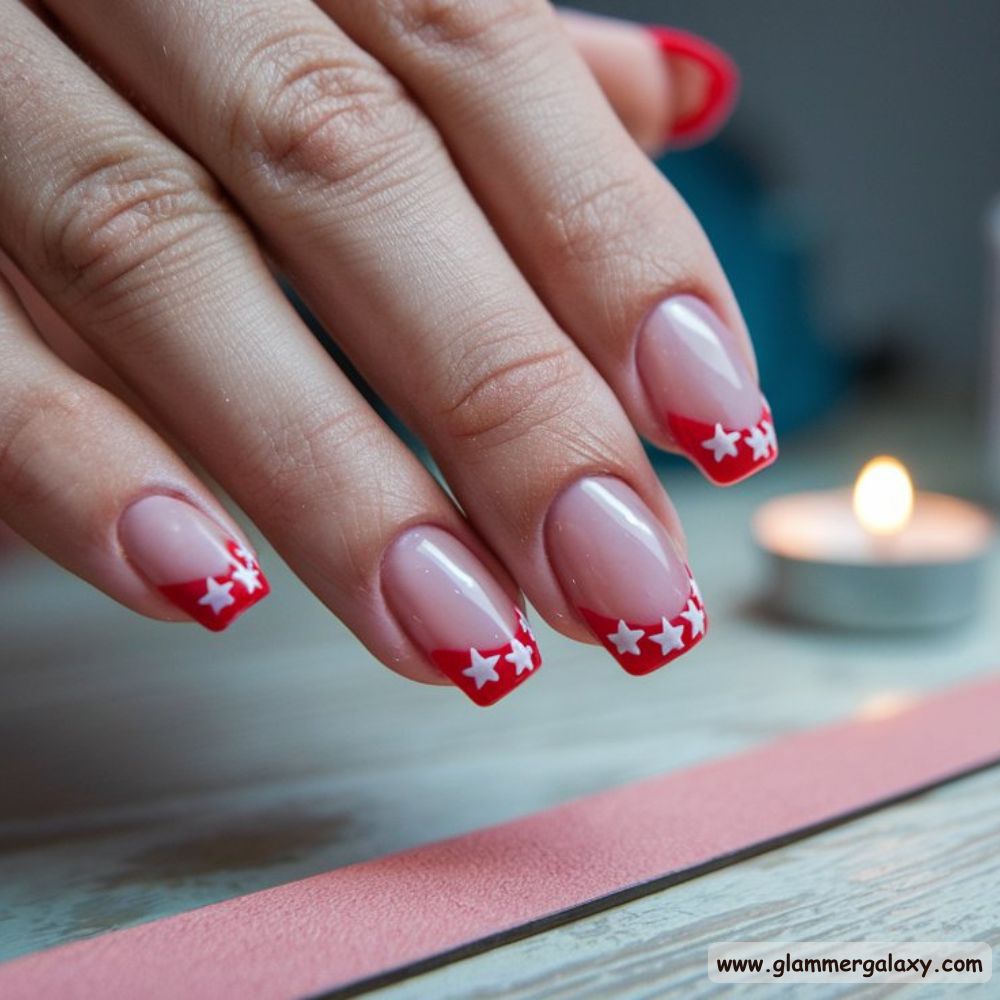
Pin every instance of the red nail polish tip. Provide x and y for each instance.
(641, 648)
(723, 83)
(726, 455)
(217, 601)
(487, 675)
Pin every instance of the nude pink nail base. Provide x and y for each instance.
(622, 571)
(457, 614)
(699, 382)
(487, 675)
(641, 647)
(725, 454)
(217, 601)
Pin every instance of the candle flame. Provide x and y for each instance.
(883, 496)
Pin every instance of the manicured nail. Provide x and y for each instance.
(194, 563)
(720, 90)
(701, 388)
(453, 610)
(620, 569)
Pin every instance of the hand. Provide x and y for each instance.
(444, 183)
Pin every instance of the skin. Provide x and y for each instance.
(350, 146)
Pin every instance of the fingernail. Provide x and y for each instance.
(620, 569)
(702, 390)
(718, 94)
(196, 565)
(452, 609)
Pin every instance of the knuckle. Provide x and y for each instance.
(121, 217)
(468, 25)
(501, 391)
(308, 118)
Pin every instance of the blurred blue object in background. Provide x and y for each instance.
(769, 263)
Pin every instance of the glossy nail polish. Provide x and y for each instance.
(198, 567)
(701, 388)
(721, 88)
(452, 609)
(620, 569)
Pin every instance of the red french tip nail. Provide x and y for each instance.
(487, 675)
(642, 647)
(193, 561)
(726, 455)
(217, 601)
(457, 615)
(723, 83)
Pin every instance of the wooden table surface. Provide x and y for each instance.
(147, 768)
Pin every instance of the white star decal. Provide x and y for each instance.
(247, 557)
(768, 428)
(482, 669)
(670, 638)
(695, 617)
(520, 657)
(626, 640)
(217, 595)
(722, 443)
(249, 578)
(696, 590)
(757, 439)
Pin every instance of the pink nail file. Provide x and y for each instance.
(380, 920)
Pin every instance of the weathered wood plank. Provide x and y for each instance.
(146, 768)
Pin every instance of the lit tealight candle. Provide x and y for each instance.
(882, 556)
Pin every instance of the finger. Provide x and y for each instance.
(362, 206)
(88, 483)
(130, 241)
(63, 340)
(617, 256)
(667, 87)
